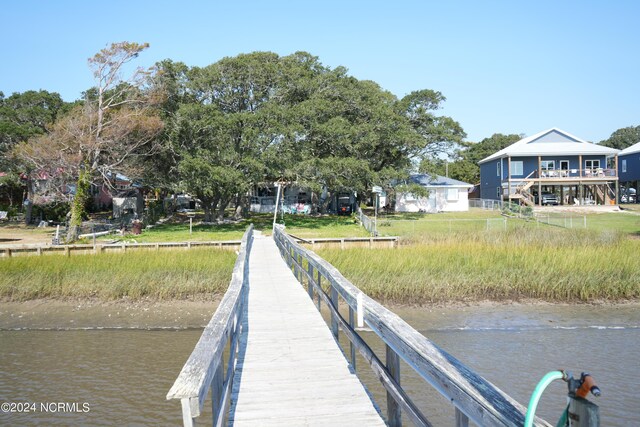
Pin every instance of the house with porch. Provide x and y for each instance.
(552, 162)
(629, 173)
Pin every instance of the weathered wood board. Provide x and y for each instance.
(290, 369)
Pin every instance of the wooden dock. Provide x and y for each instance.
(267, 356)
(290, 369)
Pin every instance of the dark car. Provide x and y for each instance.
(548, 199)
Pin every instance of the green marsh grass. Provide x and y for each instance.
(525, 262)
(135, 275)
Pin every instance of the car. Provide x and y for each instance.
(548, 199)
(628, 195)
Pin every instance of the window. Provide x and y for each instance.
(499, 191)
(516, 168)
(498, 167)
(548, 165)
(591, 164)
(452, 194)
(624, 165)
(564, 165)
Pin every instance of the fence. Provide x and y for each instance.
(473, 397)
(408, 228)
(204, 369)
(367, 223)
(562, 220)
(124, 247)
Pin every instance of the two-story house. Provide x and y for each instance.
(551, 163)
(629, 172)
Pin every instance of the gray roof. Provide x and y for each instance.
(437, 181)
(635, 148)
(551, 142)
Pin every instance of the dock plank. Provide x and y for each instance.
(290, 369)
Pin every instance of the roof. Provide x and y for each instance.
(551, 142)
(437, 181)
(635, 148)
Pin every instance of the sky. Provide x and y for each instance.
(504, 66)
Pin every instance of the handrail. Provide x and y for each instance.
(204, 368)
(474, 397)
(9, 251)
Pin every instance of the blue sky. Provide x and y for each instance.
(504, 66)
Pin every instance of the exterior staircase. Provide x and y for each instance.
(522, 191)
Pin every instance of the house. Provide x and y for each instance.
(552, 162)
(298, 200)
(629, 172)
(445, 195)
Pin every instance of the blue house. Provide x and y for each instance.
(551, 163)
(629, 172)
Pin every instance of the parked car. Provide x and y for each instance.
(628, 195)
(548, 199)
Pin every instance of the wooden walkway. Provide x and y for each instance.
(290, 369)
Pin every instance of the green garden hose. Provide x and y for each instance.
(537, 393)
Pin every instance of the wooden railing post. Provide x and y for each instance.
(393, 366)
(310, 282)
(334, 320)
(352, 347)
(319, 283)
(216, 391)
(461, 419)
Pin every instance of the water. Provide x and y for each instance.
(124, 375)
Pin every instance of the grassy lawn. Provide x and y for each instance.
(177, 229)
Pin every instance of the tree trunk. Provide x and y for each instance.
(209, 206)
(241, 207)
(221, 208)
(78, 206)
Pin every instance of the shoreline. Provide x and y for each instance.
(88, 314)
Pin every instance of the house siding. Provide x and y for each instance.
(633, 167)
(489, 180)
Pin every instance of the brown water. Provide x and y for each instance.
(123, 375)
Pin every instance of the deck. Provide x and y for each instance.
(290, 369)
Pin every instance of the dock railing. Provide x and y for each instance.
(204, 370)
(473, 397)
(367, 223)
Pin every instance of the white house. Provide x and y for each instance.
(445, 195)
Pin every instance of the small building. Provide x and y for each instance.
(552, 164)
(298, 200)
(128, 204)
(629, 173)
(445, 195)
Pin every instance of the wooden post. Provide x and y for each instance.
(319, 283)
(461, 419)
(39, 251)
(8, 252)
(393, 410)
(310, 283)
(352, 347)
(67, 252)
(124, 248)
(216, 391)
(334, 320)
(341, 243)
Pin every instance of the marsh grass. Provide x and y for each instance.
(547, 264)
(135, 275)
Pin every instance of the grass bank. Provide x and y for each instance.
(135, 275)
(548, 264)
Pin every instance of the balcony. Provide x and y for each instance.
(574, 174)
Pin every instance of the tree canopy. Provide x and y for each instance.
(623, 138)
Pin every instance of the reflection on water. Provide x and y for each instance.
(124, 375)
